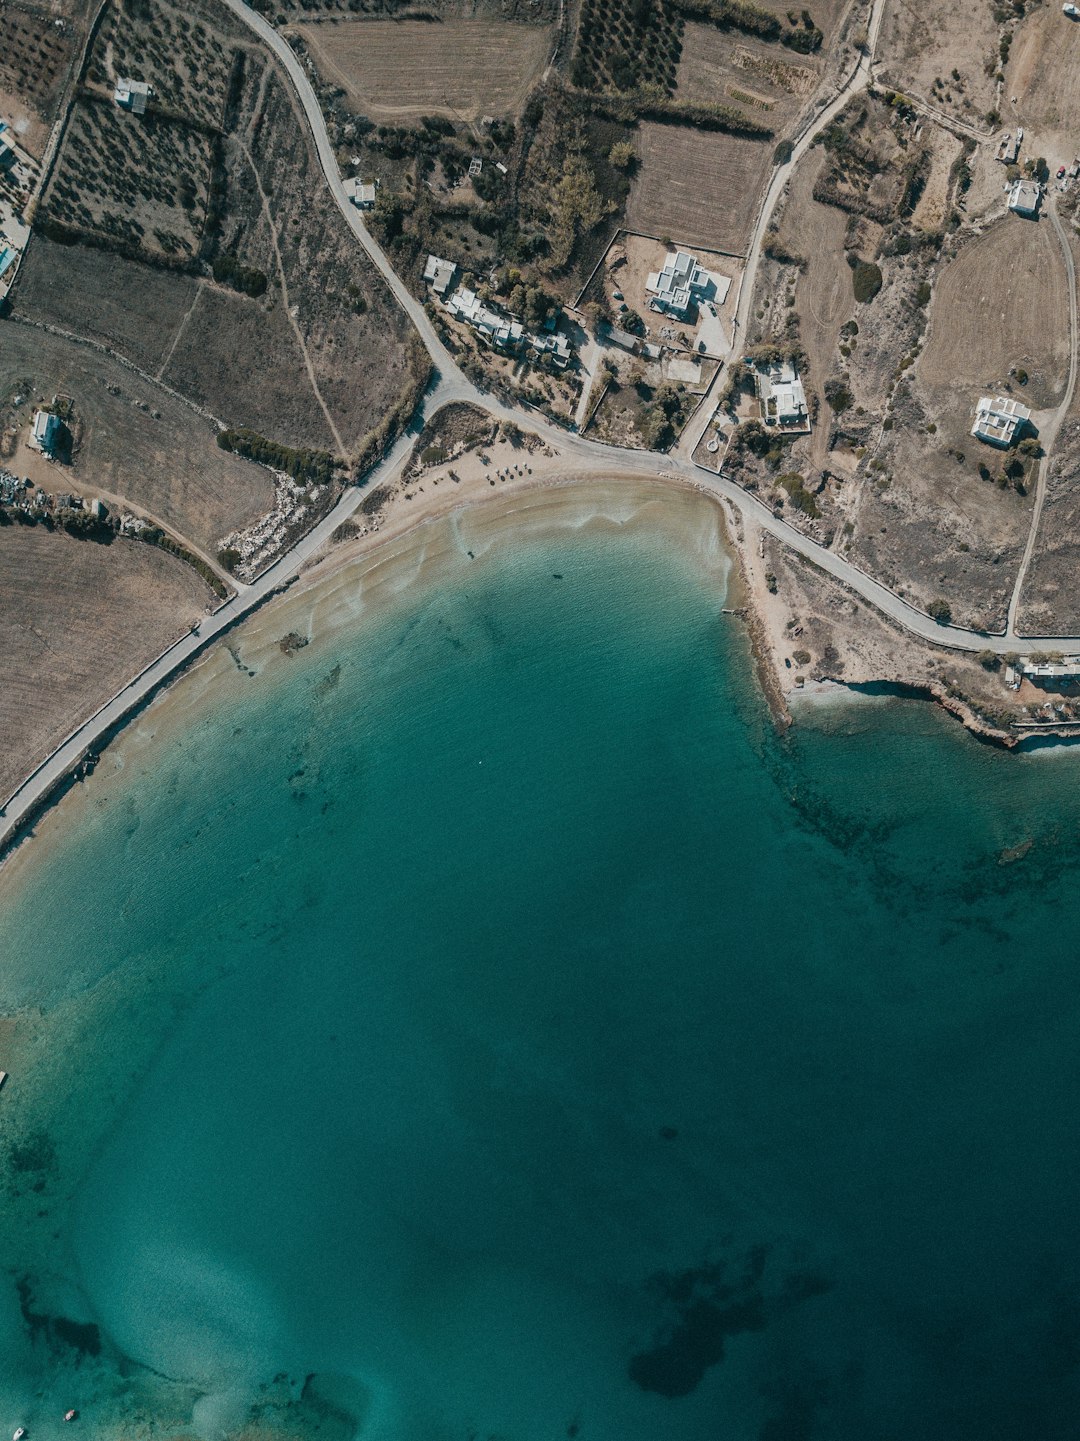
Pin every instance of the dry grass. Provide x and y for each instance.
(398, 70)
(697, 188)
(1001, 303)
(824, 298)
(168, 464)
(1042, 75)
(129, 307)
(241, 357)
(77, 620)
(925, 40)
(35, 58)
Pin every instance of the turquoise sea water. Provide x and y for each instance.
(551, 1047)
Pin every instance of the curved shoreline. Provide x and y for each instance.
(352, 576)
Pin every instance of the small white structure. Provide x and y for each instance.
(45, 432)
(681, 282)
(783, 399)
(361, 192)
(439, 274)
(132, 95)
(998, 420)
(476, 164)
(1009, 147)
(1024, 197)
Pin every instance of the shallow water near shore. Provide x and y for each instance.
(484, 1004)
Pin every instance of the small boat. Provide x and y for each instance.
(20, 1433)
(3, 1078)
(71, 1415)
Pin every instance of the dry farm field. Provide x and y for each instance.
(1044, 63)
(312, 355)
(36, 56)
(719, 68)
(177, 50)
(321, 357)
(140, 182)
(1002, 304)
(697, 187)
(399, 70)
(136, 443)
(77, 620)
(939, 53)
(132, 308)
(529, 12)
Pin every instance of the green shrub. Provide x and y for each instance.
(228, 270)
(940, 610)
(866, 279)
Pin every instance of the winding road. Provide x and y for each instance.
(583, 458)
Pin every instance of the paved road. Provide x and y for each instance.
(856, 81)
(1049, 431)
(583, 458)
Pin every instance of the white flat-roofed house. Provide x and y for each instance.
(496, 329)
(675, 289)
(1024, 197)
(45, 431)
(132, 95)
(783, 398)
(362, 192)
(440, 274)
(999, 420)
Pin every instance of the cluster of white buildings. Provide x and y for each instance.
(677, 288)
(495, 328)
(999, 420)
(782, 397)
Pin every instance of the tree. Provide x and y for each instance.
(622, 155)
(940, 610)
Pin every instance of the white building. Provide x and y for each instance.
(1024, 197)
(440, 274)
(7, 154)
(361, 193)
(783, 399)
(557, 346)
(998, 420)
(132, 95)
(45, 431)
(681, 282)
(496, 329)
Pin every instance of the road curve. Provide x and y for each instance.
(812, 124)
(584, 459)
(1050, 431)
